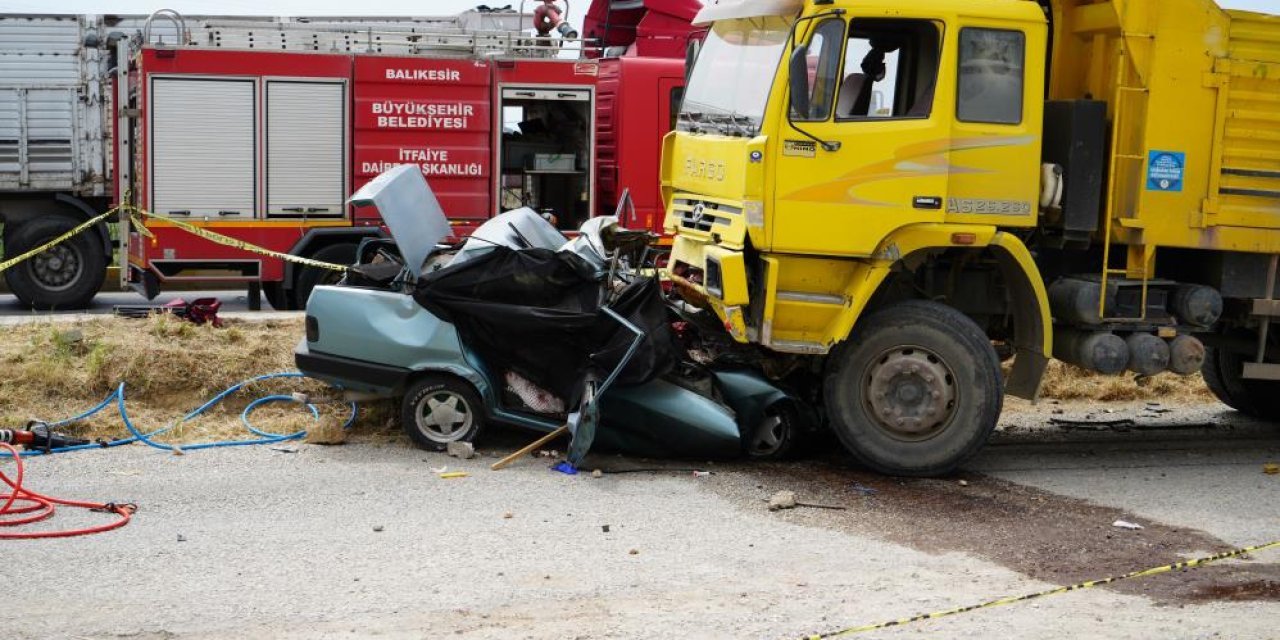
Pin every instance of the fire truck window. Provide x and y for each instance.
(991, 76)
(890, 69)
(824, 69)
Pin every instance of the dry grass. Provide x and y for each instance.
(169, 367)
(1066, 382)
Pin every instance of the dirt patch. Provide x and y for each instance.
(1042, 535)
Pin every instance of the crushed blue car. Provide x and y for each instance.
(523, 326)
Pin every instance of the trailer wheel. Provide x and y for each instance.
(915, 390)
(65, 276)
(438, 410)
(1223, 371)
(309, 277)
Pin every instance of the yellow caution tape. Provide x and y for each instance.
(4, 266)
(1177, 566)
(139, 222)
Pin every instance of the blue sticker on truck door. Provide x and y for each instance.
(1165, 170)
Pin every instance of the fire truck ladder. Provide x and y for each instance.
(1121, 139)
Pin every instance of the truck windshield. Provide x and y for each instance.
(729, 86)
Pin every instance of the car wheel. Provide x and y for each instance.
(775, 435)
(438, 410)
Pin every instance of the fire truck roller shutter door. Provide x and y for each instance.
(306, 148)
(203, 160)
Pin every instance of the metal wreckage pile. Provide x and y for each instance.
(521, 325)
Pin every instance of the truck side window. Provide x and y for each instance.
(890, 69)
(991, 76)
(824, 68)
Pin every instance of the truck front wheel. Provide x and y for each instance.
(915, 390)
(65, 276)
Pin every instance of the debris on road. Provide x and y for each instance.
(464, 450)
(863, 489)
(1271, 468)
(198, 311)
(964, 483)
(1093, 425)
(454, 474)
(377, 528)
(596, 473)
(782, 500)
(328, 431)
(1125, 524)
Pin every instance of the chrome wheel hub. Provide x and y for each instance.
(444, 416)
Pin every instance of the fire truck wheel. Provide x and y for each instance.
(276, 296)
(1223, 374)
(437, 410)
(309, 277)
(66, 276)
(915, 390)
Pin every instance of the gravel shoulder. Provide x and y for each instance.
(284, 544)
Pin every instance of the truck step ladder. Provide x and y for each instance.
(1121, 135)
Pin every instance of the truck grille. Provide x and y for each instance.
(700, 215)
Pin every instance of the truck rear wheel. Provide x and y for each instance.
(1223, 372)
(310, 277)
(915, 390)
(65, 276)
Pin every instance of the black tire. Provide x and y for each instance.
(1223, 371)
(774, 438)
(276, 296)
(66, 276)
(309, 277)
(915, 390)
(461, 416)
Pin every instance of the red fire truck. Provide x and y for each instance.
(259, 129)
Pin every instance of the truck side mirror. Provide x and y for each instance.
(798, 69)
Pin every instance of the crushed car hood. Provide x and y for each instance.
(410, 210)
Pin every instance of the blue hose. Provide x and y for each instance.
(265, 437)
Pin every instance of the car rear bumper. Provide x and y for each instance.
(349, 373)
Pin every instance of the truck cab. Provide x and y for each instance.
(880, 193)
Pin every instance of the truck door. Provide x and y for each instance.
(877, 93)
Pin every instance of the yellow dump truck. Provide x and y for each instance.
(877, 195)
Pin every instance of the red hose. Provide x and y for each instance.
(23, 501)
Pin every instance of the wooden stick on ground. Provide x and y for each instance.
(529, 448)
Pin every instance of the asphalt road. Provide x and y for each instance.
(365, 539)
(235, 304)
(104, 302)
